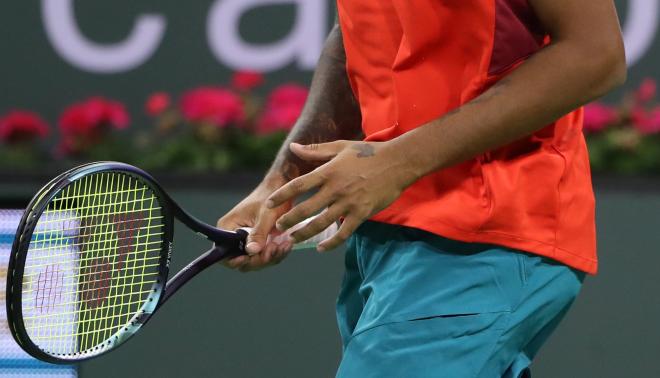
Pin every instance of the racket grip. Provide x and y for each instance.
(309, 243)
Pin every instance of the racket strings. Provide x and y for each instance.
(48, 258)
(153, 259)
(60, 233)
(91, 262)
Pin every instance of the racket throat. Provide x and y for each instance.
(227, 249)
(228, 239)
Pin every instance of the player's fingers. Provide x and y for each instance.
(320, 223)
(318, 151)
(252, 263)
(232, 222)
(348, 226)
(265, 256)
(257, 238)
(279, 249)
(304, 210)
(236, 262)
(294, 188)
(285, 247)
(272, 245)
(259, 261)
(282, 252)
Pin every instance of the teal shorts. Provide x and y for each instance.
(414, 304)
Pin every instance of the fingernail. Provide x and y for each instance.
(252, 247)
(320, 248)
(279, 227)
(270, 204)
(296, 144)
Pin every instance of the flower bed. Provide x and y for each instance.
(230, 128)
(206, 129)
(625, 138)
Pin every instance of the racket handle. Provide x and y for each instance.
(309, 243)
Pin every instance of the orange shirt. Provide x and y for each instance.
(410, 62)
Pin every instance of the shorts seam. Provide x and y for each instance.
(495, 344)
(524, 273)
(397, 321)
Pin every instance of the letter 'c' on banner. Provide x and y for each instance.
(640, 28)
(68, 41)
(303, 43)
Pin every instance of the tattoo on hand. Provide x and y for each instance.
(364, 150)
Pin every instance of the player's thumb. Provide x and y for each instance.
(229, 222)
(258, 236)
(318, 151)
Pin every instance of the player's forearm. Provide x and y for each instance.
(536, 94)
(330, 113)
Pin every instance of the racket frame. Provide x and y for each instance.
(20, 249)
(226, 244)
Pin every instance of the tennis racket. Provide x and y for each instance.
(90, 260)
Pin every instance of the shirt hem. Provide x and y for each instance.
(572, 259)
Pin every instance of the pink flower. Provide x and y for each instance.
(22, 125)
(246, 80)
(598, 116)
(90, 117)
(646, 91)
(646, 122)
(283, 107)
(157, 103)
(215, 105)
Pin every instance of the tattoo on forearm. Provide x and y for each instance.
(289, 170)
(490, 93)
(331, 112)
(364, 150)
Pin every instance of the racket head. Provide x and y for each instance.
(89, 262)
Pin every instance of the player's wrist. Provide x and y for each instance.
(408, 168)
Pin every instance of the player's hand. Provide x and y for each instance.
(358, 180)
(252, 212)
